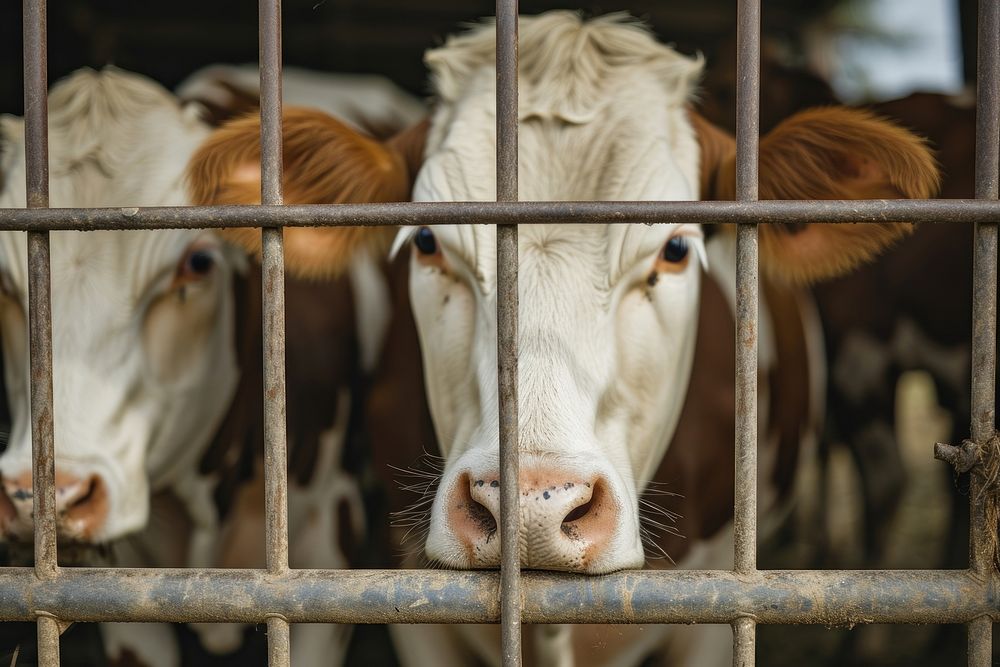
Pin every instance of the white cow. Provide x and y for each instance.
(608, 314)
(156, 382)
(367, 102)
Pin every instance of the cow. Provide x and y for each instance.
(366, 102)
(156, 345)
(625, 339)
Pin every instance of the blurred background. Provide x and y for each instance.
(913, 60)
(865, 49)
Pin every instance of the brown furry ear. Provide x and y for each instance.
(717, 147)
(410, 144)
(325, 162)
(832, 153)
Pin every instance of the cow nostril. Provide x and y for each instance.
(88, 494)
(85, 508)
(482, 517)
(579, 512)
(587, 518)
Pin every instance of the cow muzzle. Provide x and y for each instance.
(568, 520)
(82, 504)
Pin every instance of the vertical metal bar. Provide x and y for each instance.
(273, 285)
(39, 298)
(744, 642)
(984, 313)
(747, 102)
(747, 310)
(274, 290)
(278, 642)
(48, 641)
(510, 519)
(36, 141)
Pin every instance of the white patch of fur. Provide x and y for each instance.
(372, 307)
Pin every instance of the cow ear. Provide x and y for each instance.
(831, 153)
(325, 162)
(838, 153)
(411, 144)
(717, 148)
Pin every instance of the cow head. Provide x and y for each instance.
(144, 362)
(142, 324)
(607, 313)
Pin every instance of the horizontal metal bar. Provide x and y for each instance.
(452, 213)
(432, 596)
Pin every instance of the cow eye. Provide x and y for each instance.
(425, 242)
(199, 262)
(676, 250)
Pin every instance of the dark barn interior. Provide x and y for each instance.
(168, 41)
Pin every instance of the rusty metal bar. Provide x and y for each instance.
(747, 98)
(510, 515)
(747, 104)
(747, 310)
(48, 641)
(278, 642)
(982, 532)
(273, 300)
(744, 642)
(988, 101)
(36, 140)
(273, 269)
(831, 597)
(522, 213)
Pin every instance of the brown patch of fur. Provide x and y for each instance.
(825, 153)
(716, 146)
(789, 404)
(698, 464)
(411, 144)
(325, 162)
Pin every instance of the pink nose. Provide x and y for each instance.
(81, 506)
(566, 522)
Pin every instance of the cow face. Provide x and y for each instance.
(606, 314)
(142, 321)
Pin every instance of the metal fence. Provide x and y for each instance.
(279, 596)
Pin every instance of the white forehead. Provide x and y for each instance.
(115, 139)
(601, 111)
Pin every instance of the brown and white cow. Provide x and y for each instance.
(367, 102)
(156, 343)
(625, 341)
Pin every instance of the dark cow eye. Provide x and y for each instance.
(676, 250)
(425, 242)
(200, 262)
(196, 265)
